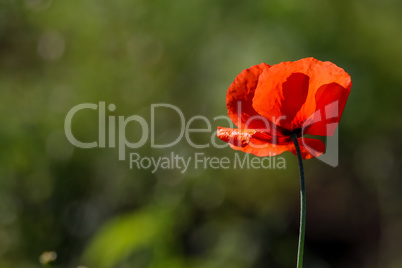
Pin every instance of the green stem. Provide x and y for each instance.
(302, 230)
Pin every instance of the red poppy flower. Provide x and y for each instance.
(269, 103)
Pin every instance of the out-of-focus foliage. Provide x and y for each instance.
(136, 231)
(93, 210)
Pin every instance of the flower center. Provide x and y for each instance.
(297, 131)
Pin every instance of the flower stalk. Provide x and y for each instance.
(302, 229)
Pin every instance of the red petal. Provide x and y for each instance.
(239, 99)
(267, 150)
(330, 102)
(282, 94)
(237, 137)
(242, 137)
(253, 141)
(260, 143)
(309, 148)
(281, 98)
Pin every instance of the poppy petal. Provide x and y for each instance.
(267, 150)
(309, 148)
(237, 137)
(280, 102)
(239, 99)
(260, 143)
(286, 92)
(255, 142)
(330, 103)
(251, 137)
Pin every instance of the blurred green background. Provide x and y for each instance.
(94, 211)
